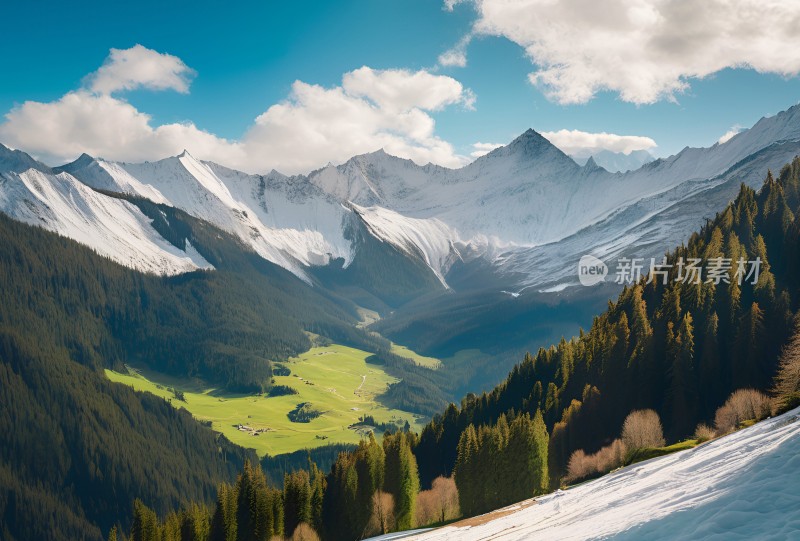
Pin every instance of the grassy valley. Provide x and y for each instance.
(336, 381)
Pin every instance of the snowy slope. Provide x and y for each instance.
(286, 221)
(645, 229)
(112, 227)
(522, 205)
(616, 162)
(743, 486)
(525, 209)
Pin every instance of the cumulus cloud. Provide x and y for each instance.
(104, 126)
(728, 135)
(314, 125)
(579, 143)
(644, 50)
(140, 67)
(402, 90)
(481, 149)
(457, 55)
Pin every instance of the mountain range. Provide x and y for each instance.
(519, 217)
(616, 162)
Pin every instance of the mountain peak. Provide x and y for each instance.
(530, 145)
(17, 161)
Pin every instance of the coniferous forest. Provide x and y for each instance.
(118, 464)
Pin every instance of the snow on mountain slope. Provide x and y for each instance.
(647, 228)
(109, 176)
(516, 194)
(112, 227)
(526, 209)
(529, 194)
(616, 162)
(289, 224)
(431, 239)
(17, 161)
(742, 486)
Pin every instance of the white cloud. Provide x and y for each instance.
(403, 90)
(456, 56)
(481, 149)
(315, 125)
(140, 67)
(728, 135)
(450, 4)
(645, 50)
(580, 143)
(103, 126)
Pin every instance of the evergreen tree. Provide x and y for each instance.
(223, 523)
(296, 500)
(681, 398)
(401, 478)
(145, 523)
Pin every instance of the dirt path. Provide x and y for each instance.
(363, 379)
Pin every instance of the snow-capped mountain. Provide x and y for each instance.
(525, 211)
(616, 162)
(112, 227)
(286, 220)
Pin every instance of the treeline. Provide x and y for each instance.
(678, 348)
(370, 490)
(502, 464)
(276, 467)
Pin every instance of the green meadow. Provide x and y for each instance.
(335, 380)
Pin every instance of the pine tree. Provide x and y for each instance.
(223, 523)
(317, 495)
(145, 523)
(296, 500)
(401, 478)
(464, 471)
(682, 392)
(711, 376)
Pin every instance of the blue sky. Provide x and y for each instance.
(247, 57)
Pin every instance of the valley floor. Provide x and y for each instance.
(335, 380)
(742, 486)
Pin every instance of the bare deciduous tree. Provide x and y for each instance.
(603, 461)
(641, 429)
(439, 504)
(703, 432)
(304, 532)
(787, 381)
(382, 520)
(742, 405)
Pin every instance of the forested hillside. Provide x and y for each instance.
(76, 448)
(678, 348)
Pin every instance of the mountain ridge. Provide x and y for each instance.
(501, 209)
